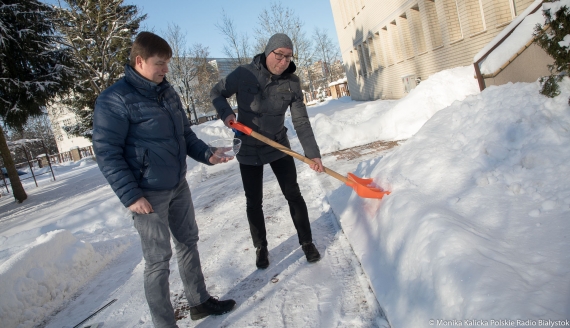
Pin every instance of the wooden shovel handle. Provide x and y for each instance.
(262, 138)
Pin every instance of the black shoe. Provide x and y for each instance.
(261, 259)
(211, 306)
(311, 252)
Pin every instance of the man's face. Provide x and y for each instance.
(278, 66)
(153, 68)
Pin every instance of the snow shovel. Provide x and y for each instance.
(358, 184)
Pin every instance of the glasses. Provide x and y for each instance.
(280, 56)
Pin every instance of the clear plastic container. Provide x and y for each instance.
(225, 148)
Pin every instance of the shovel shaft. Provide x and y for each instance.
(359, 185)
(296, 155)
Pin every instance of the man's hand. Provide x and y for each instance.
(217, 160)
(318, 166)
(141, 206)
(230, 117)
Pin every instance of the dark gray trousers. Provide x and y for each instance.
(173, 213)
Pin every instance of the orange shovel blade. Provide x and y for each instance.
(362, 189)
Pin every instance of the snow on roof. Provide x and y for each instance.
(339, 81)
(522, 28)
(22, 142)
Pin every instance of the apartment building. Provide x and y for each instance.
(60, 116)
(388, 46)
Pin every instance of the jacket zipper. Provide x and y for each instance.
(163, 107)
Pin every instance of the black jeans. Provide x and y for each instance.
(286, 174)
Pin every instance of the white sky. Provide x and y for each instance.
(476, 226)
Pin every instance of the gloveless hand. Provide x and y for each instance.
(141, 206)
(217, 160)
(318, 166)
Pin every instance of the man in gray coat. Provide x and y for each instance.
(265, 88)
(141, 138)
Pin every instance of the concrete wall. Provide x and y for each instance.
(383, 41)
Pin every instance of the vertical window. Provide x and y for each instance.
(362, 61)
(372, 53)
(348, 10)
(354, 63)
(354, 8)
(343, 12)
(415, 22)
(395, 41)
(406, 35)
(378, 51)
(366, 55)
(452, 20)
(433, 24)
(471, 16)
(520, 5)
(385, 36)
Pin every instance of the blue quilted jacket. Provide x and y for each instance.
(141, 137)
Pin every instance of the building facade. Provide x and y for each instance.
(60, 117)
(388, 46)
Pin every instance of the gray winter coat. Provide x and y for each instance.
(141, 137)
(262, 100)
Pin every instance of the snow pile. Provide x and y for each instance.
(40, 278)
(476, 227)
(386, 120)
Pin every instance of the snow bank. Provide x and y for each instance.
(40, 278)
(384, 120)
(477, 223)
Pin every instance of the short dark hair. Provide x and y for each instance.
(148, 44)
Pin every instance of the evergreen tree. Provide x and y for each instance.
(100, 34)
(32, 70)
(555, 40)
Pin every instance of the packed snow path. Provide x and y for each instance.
(333, 292)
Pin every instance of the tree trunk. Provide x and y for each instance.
(17, 188)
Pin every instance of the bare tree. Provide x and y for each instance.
(190, 72)
(279, 19)
(183, 73)
(237, 46)
(37, 127)
(328, 53)
(208, 76)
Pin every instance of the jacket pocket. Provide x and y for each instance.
(144, 162)
(247, 96)
(285, 99)
(281, 135)
(252, 88)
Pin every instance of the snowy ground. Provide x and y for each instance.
(333, 292)
(475, 228)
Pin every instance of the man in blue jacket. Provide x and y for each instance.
(141, 138)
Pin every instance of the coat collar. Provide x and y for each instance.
(145, 87)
